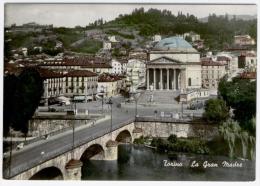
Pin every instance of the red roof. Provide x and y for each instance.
(105, 77)
(46, 73)
(80, 73)
(211, 63)
(247, 54)
(86, 62)
(248, 75)
(222, 58)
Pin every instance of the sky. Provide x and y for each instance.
(70, 15)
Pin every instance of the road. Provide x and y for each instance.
(41, 151)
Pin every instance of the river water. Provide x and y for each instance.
(142, 163)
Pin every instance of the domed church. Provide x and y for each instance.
(173, 65)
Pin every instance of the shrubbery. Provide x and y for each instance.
(180, 145)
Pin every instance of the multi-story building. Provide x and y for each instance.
(230, 61)
(110, 85)
(193, 36)
(81, 82)
(247, 61)
(243, 40)
(74, 82)
(116, 66)
(135, 72)
(211, 73)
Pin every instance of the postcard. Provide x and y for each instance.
(129, 91)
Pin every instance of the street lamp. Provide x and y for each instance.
(136, 94)
(102, 91)
(73, 129)
(110, 103)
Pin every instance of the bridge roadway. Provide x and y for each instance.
(31, 155)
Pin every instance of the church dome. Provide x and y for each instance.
(174, 44)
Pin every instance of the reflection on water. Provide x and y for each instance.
(141, 163)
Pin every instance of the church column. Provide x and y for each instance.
(154, 79)
(174, 79)
(147, 79)
(183, 80)
(168, 77)
(161, 81)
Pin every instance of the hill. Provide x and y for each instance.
(238, 17)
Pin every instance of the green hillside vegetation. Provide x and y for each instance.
(20, 39)
(68, 35)
(90, 46)
(217, 32)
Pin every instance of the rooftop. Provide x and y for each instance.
(80, 73)
(248, 75)
(105, 77)
(211, 63)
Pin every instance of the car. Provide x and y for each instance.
(20, 146)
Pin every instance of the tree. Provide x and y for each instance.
(216, 111)
(26, 98)
(10, 83)
(240, 94)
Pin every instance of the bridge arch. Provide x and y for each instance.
(94, 152)
(124, 137)
(48, 173)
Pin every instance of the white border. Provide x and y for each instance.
(117, 183)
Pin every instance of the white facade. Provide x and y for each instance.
(135, 72)
(107, 45)
(112, 39)
(193, 76)
(116, 67)
(243, 40)
(157, 38)
(211, 74)
(231, 64)
(192, 35)
(180, 56)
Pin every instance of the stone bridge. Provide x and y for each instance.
(67, 165)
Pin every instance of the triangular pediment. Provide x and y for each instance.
(164, 60)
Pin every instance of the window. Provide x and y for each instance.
(189, 82)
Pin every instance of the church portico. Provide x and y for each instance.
(163, 78)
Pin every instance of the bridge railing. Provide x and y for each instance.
(64, 149)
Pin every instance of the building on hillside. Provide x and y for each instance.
(211, 73)
(157, 38)
(243, 40)
(107, 45)
(112, 39)
(247, 61)
(138, 53)
(116, 66)
(135, 72)
(192, 35)
(110, 85)
(173, 65)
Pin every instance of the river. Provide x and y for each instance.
(142, 163)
